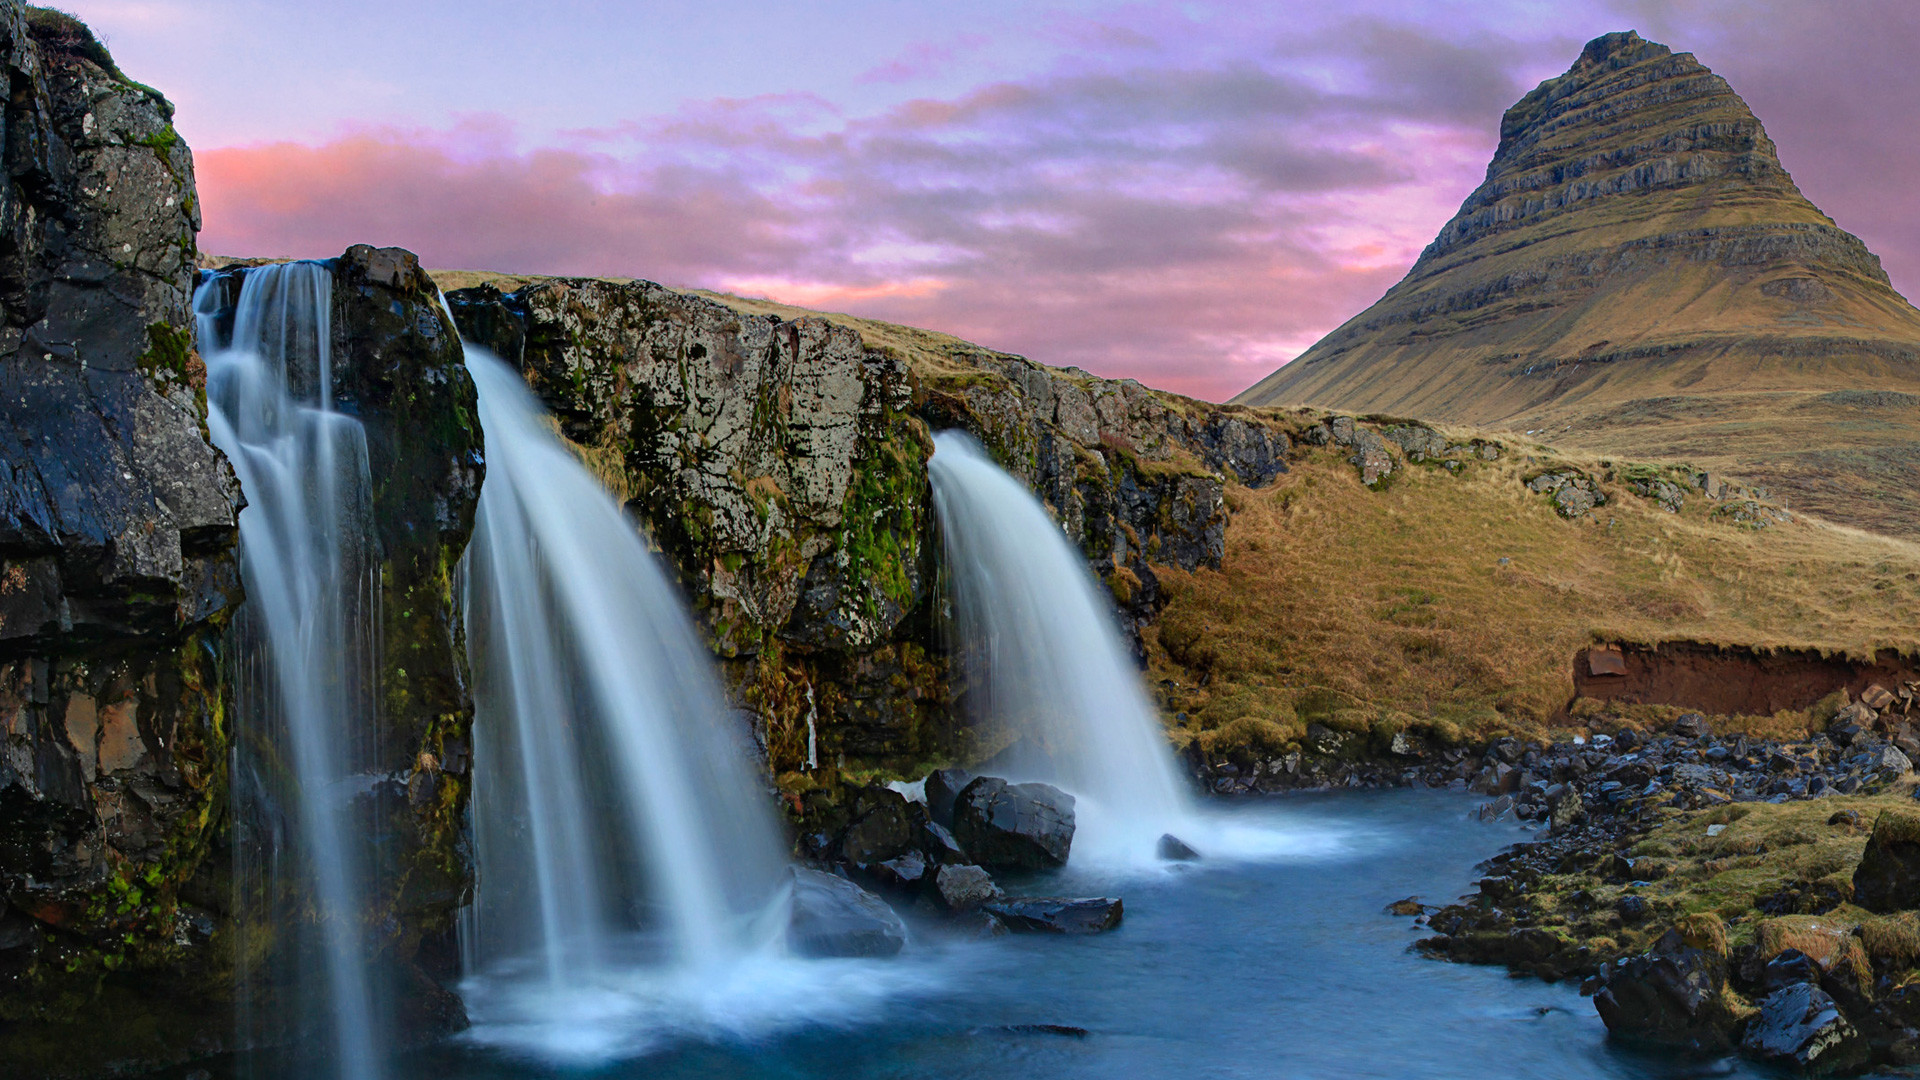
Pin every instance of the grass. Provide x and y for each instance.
(1459, 600)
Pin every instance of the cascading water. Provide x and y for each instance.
(1048, 659)
(631, 881)
(305, 702)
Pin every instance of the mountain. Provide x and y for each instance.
(1638, 275)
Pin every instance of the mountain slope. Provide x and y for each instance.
(1638, 275)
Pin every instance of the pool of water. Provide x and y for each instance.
(1280, 966)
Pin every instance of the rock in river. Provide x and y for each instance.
(1174, 849)
(964, 888)
(1672, 995)
(1800, 1025)
(1014, 826)
(834, 917)
(1057, 914)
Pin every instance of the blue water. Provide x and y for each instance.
(1279, 968)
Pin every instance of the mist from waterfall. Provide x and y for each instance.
(631, 879)
(304, 712)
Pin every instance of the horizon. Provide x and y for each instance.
(1189, 198)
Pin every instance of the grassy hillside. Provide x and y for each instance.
(1464, 596)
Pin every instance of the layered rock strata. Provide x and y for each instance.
(1639, 275)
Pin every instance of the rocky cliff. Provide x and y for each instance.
(1638, 275)
(119, 575)
(117, 529)
(780, 465)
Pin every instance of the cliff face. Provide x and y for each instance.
(118, 576)
(780, 465)
(117, 526)
(1638, 275)
(398, 369)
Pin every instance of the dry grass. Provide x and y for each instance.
(1462, 598)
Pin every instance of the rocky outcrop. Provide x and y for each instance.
(398, 368)
(780, 465)
(1636, 264)
(117, 570)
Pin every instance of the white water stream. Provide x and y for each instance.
(632, 886)
(1048, 664)
(305, 695)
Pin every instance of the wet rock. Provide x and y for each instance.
(964, 888)
(939, 845)
(1799, 1025)
(1669, 996)
(1888, 876)
(881, 829)
(1789, 967)
(906, 873)
(1014, 826)
(832, 916)
(1058, 915)
(942, 787)
(1408, 907)
(1174, 849)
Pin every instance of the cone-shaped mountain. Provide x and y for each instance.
(1638, 275)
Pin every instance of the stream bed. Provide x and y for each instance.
(1281, 967)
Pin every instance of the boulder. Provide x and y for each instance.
(1888, 875)
(1692, 726)
(1671, 996)
(964, 888)
(832, 916)
(942, 787)
(1799, 1025)
(1174, 849)
(882, 829)
(1891, 763)
(941, 848)
(1056, 914)
(1014, 826)
(906, 873)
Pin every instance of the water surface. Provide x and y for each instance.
(1281, 968)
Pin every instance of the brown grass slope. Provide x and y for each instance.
(1639, 276)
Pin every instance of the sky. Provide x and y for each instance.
(1188, 194)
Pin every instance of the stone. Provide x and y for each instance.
(1789, 967)
(1800, 1025)
(1887, 878)
(964, 888)
(1670, 996)
(1173, 849)
(881, 829)
(905, 873)
(1014, 826)
(1692, 726)
(1371, 457)
(1876, 697)
(942, 787)
(940, 846)
(1890, 763)
(1057, 915)
(1566, 810)
(1409, 907)
(832, 916)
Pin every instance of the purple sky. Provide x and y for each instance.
(1188, 194)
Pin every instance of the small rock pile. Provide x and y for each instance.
(935, 856)
(1600, 798)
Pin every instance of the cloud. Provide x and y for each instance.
(1188, 225)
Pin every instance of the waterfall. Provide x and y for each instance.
(304, 712)
(1049, 662)
(629, 863)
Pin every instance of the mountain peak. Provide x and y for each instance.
(1635, 248)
